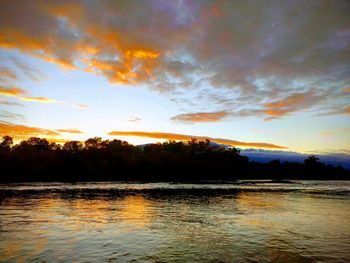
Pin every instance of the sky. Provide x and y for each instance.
(257, 74)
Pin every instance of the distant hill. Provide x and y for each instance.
(260, 155)
(264, 156)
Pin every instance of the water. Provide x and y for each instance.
(245, 222)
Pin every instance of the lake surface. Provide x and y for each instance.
(303, 221)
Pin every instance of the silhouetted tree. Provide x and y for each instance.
(93, 143)
(312, 160)
(7, 142)
(39, 144)
(39, 159)
(72, 146)
(235, 151)
(54, 146)
(174, 147)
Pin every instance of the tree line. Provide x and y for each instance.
(37, 159)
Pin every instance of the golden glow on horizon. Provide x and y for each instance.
(184, 137)
(22, 131)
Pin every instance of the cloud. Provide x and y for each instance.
(183, 137)
(38, 99)
(22, 131)
(7, 75)
(37, 34)
(201, 117)
(294, 102)
(12, 92)
(80, 106)
(10, 115)
(18, 93)
(277, 108)
(342, 111)
(69, 131)
(252, 55)
(10, 103)
(30, 72)
(134, 119)
(285, 105)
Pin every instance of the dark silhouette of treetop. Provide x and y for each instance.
(37, 159)
(7, 142)
(73, 146)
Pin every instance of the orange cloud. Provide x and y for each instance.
(81, 106)
(11, 91)
(15, 39)
(201, 117)
(132, 67)
(115, 71)
(142, 54)
(30, 44)
(39, 99)
(183, 137)
(63, 63)
(18, 92)
(284, 106)
(346, 110)
(69, 131)
(22, 131)
(125, 56)
(35, 35)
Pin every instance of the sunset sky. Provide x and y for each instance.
(269, 74)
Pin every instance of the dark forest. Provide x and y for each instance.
(37, 159)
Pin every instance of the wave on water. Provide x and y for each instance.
(327, 188)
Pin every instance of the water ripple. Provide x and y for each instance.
(238, 222)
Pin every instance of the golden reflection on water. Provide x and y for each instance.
(263, 204)
(52, 215)
(10, 249)
(255, 226)
(252, 200)
(26, 245)
(96, 213)
(135, 210)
